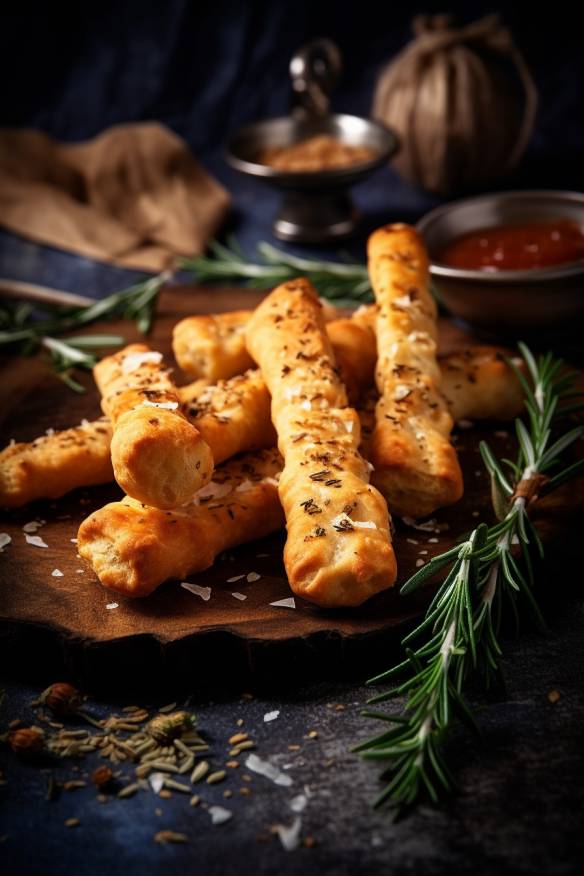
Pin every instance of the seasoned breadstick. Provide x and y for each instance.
(338, 550)
(232, 416)
(53, 464)
(158, 457)
(213, 346)
(416, 467)
(476, 383)
(133, 549)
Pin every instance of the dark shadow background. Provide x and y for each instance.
(204, 68)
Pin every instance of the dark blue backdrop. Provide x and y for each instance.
(204, 68)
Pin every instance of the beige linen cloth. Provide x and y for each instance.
(135, 195)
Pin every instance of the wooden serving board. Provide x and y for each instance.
(53, 623)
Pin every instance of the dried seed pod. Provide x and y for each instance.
(26, 742)
(62, 699)
(102, 777)
(165, 728)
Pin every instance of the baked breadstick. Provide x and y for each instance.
(416, 467)
(233, 416)
(158, 457)
(213, 346)
(53, 464)
(133, 549)
(338, 551)
(476, 383)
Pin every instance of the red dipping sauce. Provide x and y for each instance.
(517, 247)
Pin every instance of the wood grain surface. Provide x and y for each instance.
(64, 623)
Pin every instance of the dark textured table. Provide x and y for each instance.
(519, 809)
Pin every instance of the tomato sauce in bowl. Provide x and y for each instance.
(517, 247)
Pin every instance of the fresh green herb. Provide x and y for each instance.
(338, 281)
(21, 328)
(491, 574)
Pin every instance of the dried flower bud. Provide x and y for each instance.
(166, 727)
(26, 741)
(102, 777)
(62, 699)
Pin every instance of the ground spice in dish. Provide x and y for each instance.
(322, 152)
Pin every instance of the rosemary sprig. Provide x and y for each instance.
(491, 574)
(338, 281)
(20, 326)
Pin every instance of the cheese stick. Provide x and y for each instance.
(158, 456)
(54, 464)
(338, 551)
(416, 467)
(133, 548)
(476, 383)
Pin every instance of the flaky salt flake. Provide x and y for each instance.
(428, 526)
(219, 815)
(349, 426)
(306, 405)
(164, 406)
(364, 524)
(465, 424)
(33, 525)
(403, 301)
(203, 592)
(132, 361)
(501, 433)
(289, 835)
(271, 716)
(412, 541)
(36, 541)
(298, 803)
(56, 573)
(240, 596)
(419, 563)
(156, 782)
(73, 540)
(252, 576)
(243, 487)
(111, 605)
(284, 603)
(269, 480)
(212, 490)
(234, 579)
(401, 392)
(5, 540)
(268, 770)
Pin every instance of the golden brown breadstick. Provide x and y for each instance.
(476, 383)
(53, 464)
(133, 549)
(338, 550)
(158, 456)
(213, 346)
(233, 416)
(416, 467)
